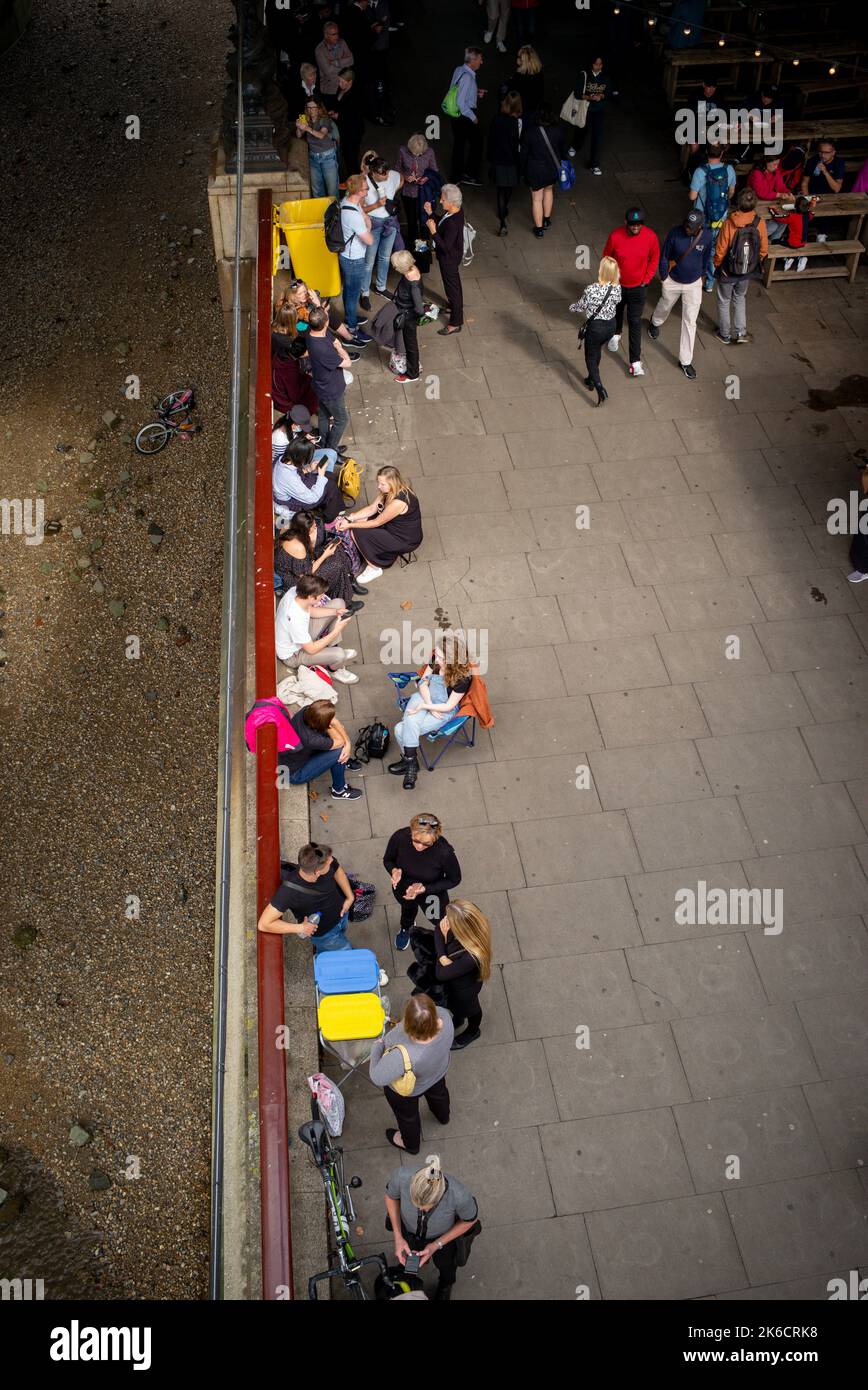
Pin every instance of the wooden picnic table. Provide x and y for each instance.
(801, 132)
(851, 245)
(713, 59)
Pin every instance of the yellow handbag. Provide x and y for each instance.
(406, 1084)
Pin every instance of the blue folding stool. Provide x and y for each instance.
(460, 729)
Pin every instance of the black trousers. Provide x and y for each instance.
(410, 332)
(464, 1006)
(504, 196)
(445, 1261)
(593, 127)
(406, 1112)
(633, 300)
(466, 149)
(411, 212)
(597, 335)
(451, 276)
(411, 906)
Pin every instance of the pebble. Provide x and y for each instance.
(99, 1181)
(98, 587)
(3, 1195)
(117, 607)
(155, 534)
(86, 457)
(111, 418)
(79, 1136)
(77, 533)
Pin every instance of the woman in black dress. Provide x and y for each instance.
(387, 528)
(462, 962)
(304, 548)
(504, 154)
(543, 148)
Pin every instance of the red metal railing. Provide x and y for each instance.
(273, 1115)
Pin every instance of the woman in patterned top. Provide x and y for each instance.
(305, 548)
(599, 302)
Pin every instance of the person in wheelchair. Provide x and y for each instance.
(423, 868)
(442, 686)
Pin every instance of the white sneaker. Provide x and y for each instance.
(822, 236)
(344, 676)
(614, 342)
(856, 577)
(368, 573)
(383, 980)
(636, 369)
(596, 170)
(501, 46)
(488, 36)
(350, 653)
(788, 263)
(801, 263)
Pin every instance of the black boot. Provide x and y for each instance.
(602, 395)
(358, 588)
(399, 768)
(411, 771)
(587, 381)
(443, 1292)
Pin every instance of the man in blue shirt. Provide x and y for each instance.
(684, 261)
(466, 133)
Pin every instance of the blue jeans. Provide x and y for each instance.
(380, 250)
(335, 939)
(352, 281)
(339, 418)
(321, 762)
(419, 720)
(324, 175)
(330, 454)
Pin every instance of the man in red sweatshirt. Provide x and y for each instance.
(636, 249)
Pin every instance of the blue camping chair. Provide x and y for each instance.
(460, 729)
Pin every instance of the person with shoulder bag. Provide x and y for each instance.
(411, 1061)
(684, 262)
(600, 302)
(542, 151)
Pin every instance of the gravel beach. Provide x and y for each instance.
(109, 744)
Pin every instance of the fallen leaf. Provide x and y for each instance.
(360, 1230)
(313, 795)
(407, 604)
(323, 816)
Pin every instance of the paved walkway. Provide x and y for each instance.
(606, 1167)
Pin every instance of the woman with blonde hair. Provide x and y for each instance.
(386, 528)
(291, 320)
(410, 305)
(528, 80)
(414, 161)
(422, 867)
(418, 1045)
(433, 1215)
(441, 688)
(599, 302)
(462, 955)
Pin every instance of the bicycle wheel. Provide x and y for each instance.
(178, 400)
(152, 438)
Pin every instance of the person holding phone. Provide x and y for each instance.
(308, 627)
(441, 688)
(305, 548)
(423, 868)
(434, 1218)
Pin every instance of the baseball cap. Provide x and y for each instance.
(634, 216)
(300, 415)
(694, 220)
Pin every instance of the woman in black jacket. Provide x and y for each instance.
(543, 148)
(448, 235)
(528, 80)
(423, 867)
(409, 302)
(504, 154)
(462, 963)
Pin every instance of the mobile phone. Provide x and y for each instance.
(413, 1263)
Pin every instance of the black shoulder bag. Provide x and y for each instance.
(590, 319)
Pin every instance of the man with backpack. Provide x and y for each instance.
(684, 262)
(348, 232)
(711, 189)
(742, 246)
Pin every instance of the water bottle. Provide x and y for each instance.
(315, 917)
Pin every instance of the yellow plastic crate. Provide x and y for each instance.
(346, 1017)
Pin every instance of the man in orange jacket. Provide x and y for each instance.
(742, 247)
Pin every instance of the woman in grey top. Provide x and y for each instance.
(433, 1215)
(321, 134)
(425, 1033)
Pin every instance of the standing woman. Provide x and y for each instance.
(543, 148)
(528, 80)
(448, 234)
(525, 18)
(462, 955)
(420, 1044)
(347, 107)
(504, 154)
(389, 527)
(423, 867)
(593, 85)
(409, 303)
(380, 204)
(321, 134)
(434, 1214)
(414, 160)
(599, 301)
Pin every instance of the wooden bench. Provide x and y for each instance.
(814, 250)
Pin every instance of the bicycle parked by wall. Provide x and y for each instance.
(174, 413)
(328, 1158)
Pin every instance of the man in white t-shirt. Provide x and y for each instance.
(356, 228)
(384, 185)
(296, 630)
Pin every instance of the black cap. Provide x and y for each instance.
(694, 220)
(300, 415)
(634, 215)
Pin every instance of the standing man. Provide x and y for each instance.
(704, 108)
(741, 248)
(466, 134)
(637, 251)
(711, 189)
(685, 260)
(357, 234)
(331, 55)
(328, 359)
(498, 20)
(448, 234)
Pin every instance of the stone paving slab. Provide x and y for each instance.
(772, 1135)
(799, 1227)
(672, 1249)
(615, 1161)
(730, 1054)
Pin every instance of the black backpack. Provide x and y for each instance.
(743, 256)
(372, 742)
(333, 228)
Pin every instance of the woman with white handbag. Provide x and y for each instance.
(584, 109)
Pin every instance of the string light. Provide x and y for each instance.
(757, 53)
(833, 69)
(795, 62)
(721, 43)
(652, 21)
(686, 30)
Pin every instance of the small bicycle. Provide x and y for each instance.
(329, 1161)
(174, 412)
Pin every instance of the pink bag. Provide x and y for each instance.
(271, 711)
